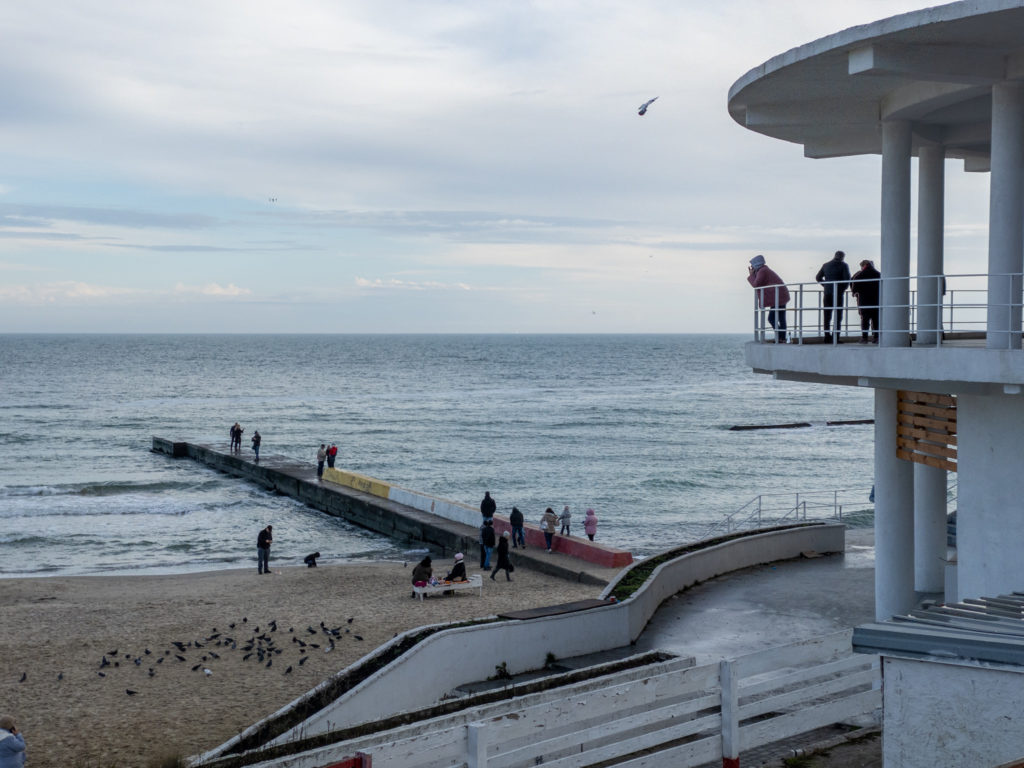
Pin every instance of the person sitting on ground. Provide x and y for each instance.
(310, 560)
(458, 571)
(421, 574)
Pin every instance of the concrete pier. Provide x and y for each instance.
(369, 509)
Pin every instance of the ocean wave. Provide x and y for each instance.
(111, 488)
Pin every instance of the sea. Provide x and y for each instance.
(636, 427)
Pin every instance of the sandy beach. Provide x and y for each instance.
(56, 633)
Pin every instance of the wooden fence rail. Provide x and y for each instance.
(678, 715)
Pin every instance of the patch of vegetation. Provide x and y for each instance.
(638, 575)
(501, 672)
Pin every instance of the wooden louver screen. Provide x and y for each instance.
(926, 429)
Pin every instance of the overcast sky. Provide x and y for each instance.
(351, 166)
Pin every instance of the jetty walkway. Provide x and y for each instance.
(365, 502)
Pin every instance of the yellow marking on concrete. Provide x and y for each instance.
(357, 481)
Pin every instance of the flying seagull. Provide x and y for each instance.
(645, 105)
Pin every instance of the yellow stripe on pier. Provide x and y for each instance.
(357, 481)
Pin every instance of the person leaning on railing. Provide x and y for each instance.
(772, 294)
(864, 285)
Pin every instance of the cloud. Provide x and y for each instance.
(212, 289)
(395, 284)
(76, 292)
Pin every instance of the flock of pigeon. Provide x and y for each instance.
(258, 645)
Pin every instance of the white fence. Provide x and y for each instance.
(673, 715)
(937, 308)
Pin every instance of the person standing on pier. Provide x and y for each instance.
(321, 457)
(772, 294)
(548, 523)
(516, 521)
(865, 286)
(590, 524)
(566, 520)
(834, 276)
(487, 506)
(256, 440)
(263, 542)
(332, 454)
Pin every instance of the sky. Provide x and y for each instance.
(437, 166)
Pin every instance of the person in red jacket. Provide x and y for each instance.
(332, 454)
(772, 294)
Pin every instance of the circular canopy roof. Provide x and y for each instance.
(934, 67)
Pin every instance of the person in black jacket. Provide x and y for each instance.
(835, 276)
(487, 506)
(516, 521)
(458, 571)
(504, 563)
(487, 541)
(865, 286)
(263, 542)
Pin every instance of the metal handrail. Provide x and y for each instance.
(938, 307)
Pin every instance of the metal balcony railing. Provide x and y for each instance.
(923, 309)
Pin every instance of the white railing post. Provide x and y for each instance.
(730, 715)
(476, 745)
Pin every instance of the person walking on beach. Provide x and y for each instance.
(504, 563)
(332, 454)
(487, 506)
(263, 542)
(321, 457)
(516, 521)
(865, 286)
(566, 520)
(256, 440)
(547, 524)
(771, 293)
(834, 276)
(12, 744)
(590, 524)
(487, 541)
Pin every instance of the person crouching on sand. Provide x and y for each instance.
(421, 574)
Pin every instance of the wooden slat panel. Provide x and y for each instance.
(926, 397)
(943, 414)
(928, 449)
(921, 421)
(949, 466)
(923, 434)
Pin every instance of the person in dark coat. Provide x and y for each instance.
(263, 542)
(504, 563)
(487, 506)
(256, 440)
(835, 278)
(865, 286)
(487, 541)
(310, 559)
(516, 521)
(458, 571)
(421, 574)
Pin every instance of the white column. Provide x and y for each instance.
(895, 250)
(931, 167)
(930, 549)
(894, 515)
(1006, 217)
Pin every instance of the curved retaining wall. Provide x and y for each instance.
(468, 654)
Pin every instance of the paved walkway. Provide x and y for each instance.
(772, 605)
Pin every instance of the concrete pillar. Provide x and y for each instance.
(931, 179)
(930, 549)
(895, 250)
(894, 515)
(1006, 217)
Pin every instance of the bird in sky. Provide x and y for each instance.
(645, 105)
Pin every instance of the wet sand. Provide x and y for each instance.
(56, 633)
